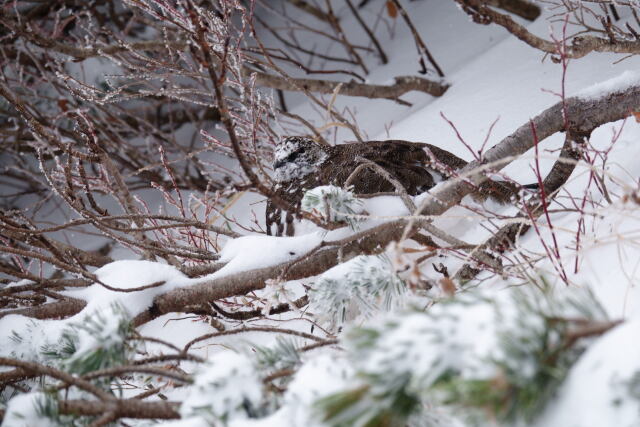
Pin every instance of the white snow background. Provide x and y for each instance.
(493, 76)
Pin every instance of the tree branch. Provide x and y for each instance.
(126, 408)
(59, 309)
(584, 115)
(366, 242)
(402, 85)
(522, 8)
(580, 45)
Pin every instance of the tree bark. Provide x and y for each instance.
(129, 408)
(402, 85)
(522, 8)
(579, 47)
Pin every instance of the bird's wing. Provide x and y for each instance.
(406, 162)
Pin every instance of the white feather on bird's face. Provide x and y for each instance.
(296, 157)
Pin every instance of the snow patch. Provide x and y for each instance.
(225, 387)
(602, 388)
(24, 337)
(252, 252)
(617, 84)
(23, 410)
(129, 274)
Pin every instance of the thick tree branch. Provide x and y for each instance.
(127, 408)
(583, 116)
(366, 242)
(53, 310)
(506, 237)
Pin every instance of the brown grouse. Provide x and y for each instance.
(301, 164)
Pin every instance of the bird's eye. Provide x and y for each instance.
(291, 157)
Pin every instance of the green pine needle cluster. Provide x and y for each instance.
(100, 341)
(536, 354)
(333, 204)
(409, 361)
(366, 285)
(282, 355)
(369, 406)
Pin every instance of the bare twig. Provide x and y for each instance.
(420, 44)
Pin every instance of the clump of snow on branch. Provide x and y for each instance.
(319, 376)
(226, 387)
(251, 252)
(616, 84)
(608, 380)
(25, 338)
(332, 204)
(357, 287)
(98, 341)
(129, 274)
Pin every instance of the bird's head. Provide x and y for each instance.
(296, 157)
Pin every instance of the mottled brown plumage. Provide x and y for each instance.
(301, 164)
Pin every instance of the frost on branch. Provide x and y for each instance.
(358, 287)
(333, 204)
